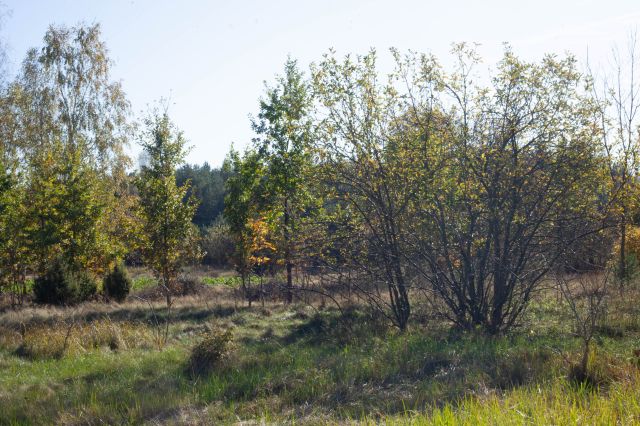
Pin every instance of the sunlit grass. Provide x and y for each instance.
(230, 281)
(293, 363)
(143, 282)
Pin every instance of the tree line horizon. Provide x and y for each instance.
(425, 188)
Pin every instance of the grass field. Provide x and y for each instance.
(107, 364)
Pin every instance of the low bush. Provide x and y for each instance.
(210, 352)
(117, 283)
(62, 285)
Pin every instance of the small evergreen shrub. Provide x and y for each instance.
(117, 283)
(61, 285)
(85, 284)
(52, 287)
(210, 352)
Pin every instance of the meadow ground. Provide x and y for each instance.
(101, 363)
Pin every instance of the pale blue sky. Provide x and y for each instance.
(212, 57)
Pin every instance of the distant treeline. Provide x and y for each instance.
(207, 186)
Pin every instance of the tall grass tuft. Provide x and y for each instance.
(70, 338)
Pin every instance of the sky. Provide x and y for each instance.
(212, 58)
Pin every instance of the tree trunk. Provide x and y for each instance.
(623, 246)
(167, 289)
(287, 254)
(244, 284)
(497, 310)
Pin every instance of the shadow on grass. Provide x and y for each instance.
(180, 314)
(104, 390)
(349, 364)
(345, 369)
(339, 327)
(133, 314)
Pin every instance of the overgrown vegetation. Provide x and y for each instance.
(319, 366)
(428, 246)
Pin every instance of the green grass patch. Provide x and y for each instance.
(295, 363)
(231, 281)
(142, 282)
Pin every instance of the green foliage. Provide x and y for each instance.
(231, 281)
(85, 284)
(14, 244)
(69, 128)
(117, 284)
(284, 128)
(217, 244)
(244, 215)
(75, 209)
(206, 184)
(245, 174)
(169, 237)
(267, 189)
(61, 284)
(67, 81)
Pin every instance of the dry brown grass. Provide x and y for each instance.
(70, 338)
(132, 309)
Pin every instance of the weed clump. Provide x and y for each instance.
(210, 352)
(62, 285)
(117, 283)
